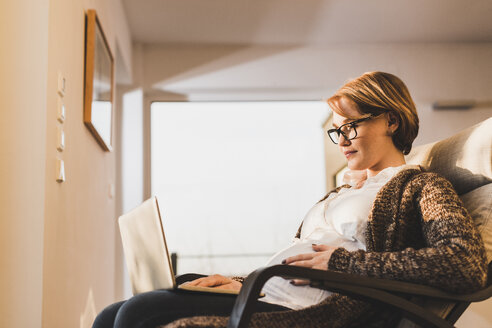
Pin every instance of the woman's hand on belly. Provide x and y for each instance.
(318, 260)
(216, 281)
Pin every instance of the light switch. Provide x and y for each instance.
(60, 145)
(61, 84)
(60, 170)
(60, 110)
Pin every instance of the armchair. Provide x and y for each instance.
(465, 160)
(393, 294)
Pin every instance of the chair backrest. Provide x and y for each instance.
(465, 159)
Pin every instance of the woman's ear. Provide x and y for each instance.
(393, 123)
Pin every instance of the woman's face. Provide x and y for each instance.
(373, 148)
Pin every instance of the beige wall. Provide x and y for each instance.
(79, 254)
(22, 159)
(57, 239)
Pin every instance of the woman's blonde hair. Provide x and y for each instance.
(376, 93)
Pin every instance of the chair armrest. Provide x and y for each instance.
(366, 288)
(401, 287)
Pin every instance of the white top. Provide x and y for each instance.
(340, 220)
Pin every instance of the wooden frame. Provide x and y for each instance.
(99, 82)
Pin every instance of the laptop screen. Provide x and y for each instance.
(144, 244)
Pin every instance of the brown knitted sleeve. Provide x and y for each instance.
(453, 257)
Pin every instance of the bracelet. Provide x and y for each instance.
(238, 279)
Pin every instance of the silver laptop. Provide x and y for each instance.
(146, 253)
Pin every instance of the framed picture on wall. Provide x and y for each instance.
(99, 81)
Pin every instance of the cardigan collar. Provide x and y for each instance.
(383, 222)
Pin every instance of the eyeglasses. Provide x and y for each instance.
(348, 130)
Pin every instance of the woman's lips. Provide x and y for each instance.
(349, 153)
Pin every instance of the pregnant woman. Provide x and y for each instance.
(392, 220)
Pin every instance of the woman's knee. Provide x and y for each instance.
(106, 318)
(135, 311)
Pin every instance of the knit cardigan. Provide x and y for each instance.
(417, 231)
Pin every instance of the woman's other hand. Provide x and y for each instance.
(216, 281)
(318, 260)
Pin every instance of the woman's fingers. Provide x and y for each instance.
(299, 282)
(318, 260)
(210, 281)
(306, 264)
(309, 256)
(321, 248)
(193, 282)
(234, 285)
(296, 258)
(216, 281)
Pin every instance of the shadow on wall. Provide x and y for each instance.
(174, 63)
(170, 64)
(483, 104)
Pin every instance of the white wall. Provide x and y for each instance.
(22, 159)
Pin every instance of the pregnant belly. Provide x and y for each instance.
(280, 291)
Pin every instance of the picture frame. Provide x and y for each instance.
(98, 82)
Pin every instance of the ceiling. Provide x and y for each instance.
(309, 22)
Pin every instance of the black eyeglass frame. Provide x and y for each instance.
(352, 126)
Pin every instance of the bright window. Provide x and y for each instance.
(235, 179)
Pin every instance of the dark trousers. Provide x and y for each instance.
(148, 310)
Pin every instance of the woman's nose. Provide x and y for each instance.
(342, 141)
